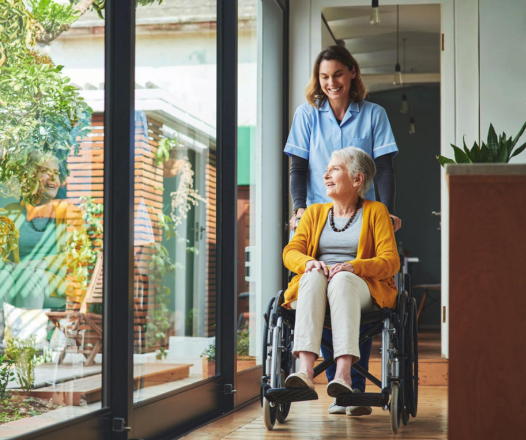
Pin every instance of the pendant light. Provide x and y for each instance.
(412, 129)
(375, 14)
(404, 106)
(397, 80)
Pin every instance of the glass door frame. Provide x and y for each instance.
(274, 88)
(178, 411)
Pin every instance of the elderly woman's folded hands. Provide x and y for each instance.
(328, 271)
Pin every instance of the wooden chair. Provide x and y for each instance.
(83, 327)
(427, 288)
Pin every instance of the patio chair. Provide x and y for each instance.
(83, 327)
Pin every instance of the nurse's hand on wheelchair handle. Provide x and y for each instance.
(316, 265)
(295, 218)
(397, 223)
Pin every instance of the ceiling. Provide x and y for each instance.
(374, 47)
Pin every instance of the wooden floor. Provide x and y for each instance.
(310, 420)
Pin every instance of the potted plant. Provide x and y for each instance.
(496, 150)
(244, 360)
(167, 157)
(209, 361)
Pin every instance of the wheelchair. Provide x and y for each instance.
(399, 359)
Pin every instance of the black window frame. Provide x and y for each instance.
(174, 413)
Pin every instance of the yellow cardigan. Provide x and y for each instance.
(377, 259)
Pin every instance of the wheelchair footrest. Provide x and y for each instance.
(362, 399)
(284, 395)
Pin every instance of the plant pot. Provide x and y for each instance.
(173, 165)
(243, 363)
(209, 368)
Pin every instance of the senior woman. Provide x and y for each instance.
(35, 276)
(337, 115)
(345, 256)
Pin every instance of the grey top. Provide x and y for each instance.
(339, 247)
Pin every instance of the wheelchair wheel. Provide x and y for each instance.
(267, 336)
(411, 378)
(287, 368)
(395, 407)
(269, 414)
(405, 416)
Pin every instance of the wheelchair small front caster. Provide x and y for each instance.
(394, 407)
(269, 414)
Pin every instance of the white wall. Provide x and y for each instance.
(269, 154)
(503, 67)
(326, 37)
(182, 64)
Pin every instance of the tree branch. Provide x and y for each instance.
(47, 37)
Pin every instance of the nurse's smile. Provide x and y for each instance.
(335, 79)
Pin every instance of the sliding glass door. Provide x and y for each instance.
(133, 235)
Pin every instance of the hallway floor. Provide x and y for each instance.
(310, 420)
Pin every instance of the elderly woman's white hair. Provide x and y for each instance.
(357, 161)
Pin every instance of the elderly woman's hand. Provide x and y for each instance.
(316, 265)
(340, 267)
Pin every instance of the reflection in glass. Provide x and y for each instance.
(175, 197)
(51, 180)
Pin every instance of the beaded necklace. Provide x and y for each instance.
(331, 217)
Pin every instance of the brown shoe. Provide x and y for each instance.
(337, 387)
(299, 380)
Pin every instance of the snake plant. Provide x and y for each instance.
(496, 150)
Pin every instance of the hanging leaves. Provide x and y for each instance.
(41, 114)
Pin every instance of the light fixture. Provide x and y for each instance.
(412, 129)
(404, 107)
(397, 80)
(375, 14)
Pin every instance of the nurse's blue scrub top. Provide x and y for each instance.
(315, 134)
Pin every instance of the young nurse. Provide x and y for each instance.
(336, 115)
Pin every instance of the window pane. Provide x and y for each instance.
(248, 318)
(175, 196)
(51, 183)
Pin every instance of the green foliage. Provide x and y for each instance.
(209, 352)
(40, 112)
(496, 150)
(159, 266)
(84, 245)
(80, 255)
(243, 345)
(52, 16)
(16, 408)
(8, 236)
(100, 5)
(23, 353)
(243, 341)
(18, 29)
(93, 217)
(162, 354)
(164, 149)
(166, 222)
(6, 374)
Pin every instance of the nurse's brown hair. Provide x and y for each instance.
(315, 95)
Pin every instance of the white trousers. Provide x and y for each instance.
(348, 295)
